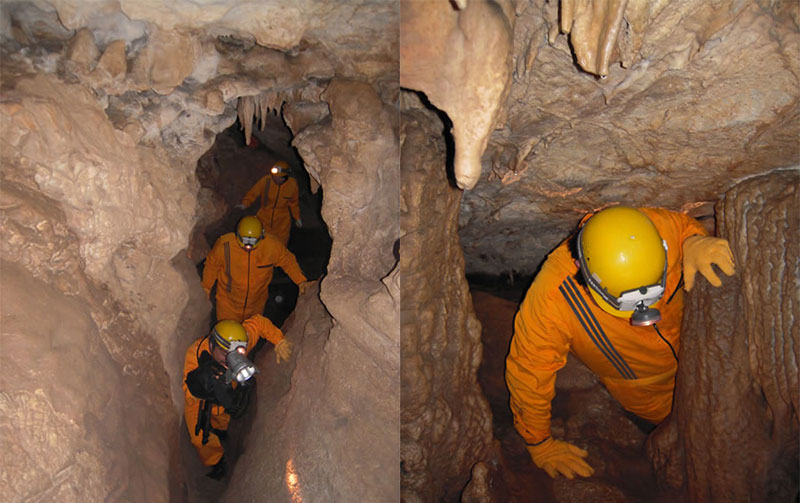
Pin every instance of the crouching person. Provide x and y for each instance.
(217, 379)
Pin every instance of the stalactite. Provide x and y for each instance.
(257, 107)
(245, 110)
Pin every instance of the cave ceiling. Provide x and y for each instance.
(693, 97)
(175, 71)
(594, 102)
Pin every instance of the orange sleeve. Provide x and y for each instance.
(254, 192)
(674, 227)
(258, 326)
(213, 266)
(287, 261)
(190, 362)
(538, 350)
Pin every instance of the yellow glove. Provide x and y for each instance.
(556, 456)
(699, 252)
(283, 350)
(304, 286)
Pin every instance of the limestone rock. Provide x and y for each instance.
(460, 60)
(113, 60)
(477, 490)
(709, 95)
(168, 58)
(445, 421)
(733, 432)
(82, 49)
(76, 157)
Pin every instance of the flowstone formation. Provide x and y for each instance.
(733, 431)
(445, 424)
(696, 95)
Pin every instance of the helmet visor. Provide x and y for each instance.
(249, 241)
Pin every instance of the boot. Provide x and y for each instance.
(218, 470)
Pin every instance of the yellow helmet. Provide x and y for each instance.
(280, 168)
(229, 335)
(624, 262)
(249, 232)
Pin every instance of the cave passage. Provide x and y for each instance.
(226, 172)
(228, 169)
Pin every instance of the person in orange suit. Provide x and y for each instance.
(241, 263)
(612, 295)
(216, 376)
(279, 201)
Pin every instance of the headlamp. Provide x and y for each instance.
(249, 241)
(277, 170)
(635, 299)
(240, 368)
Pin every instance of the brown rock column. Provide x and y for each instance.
(733, 432)
(445, 420)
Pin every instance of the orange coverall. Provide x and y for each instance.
(243, 276)
(559, 316)
(279, 204)
(210, 453)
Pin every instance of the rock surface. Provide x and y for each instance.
(698, 96)
(445, 424)
(459, 57)
(104, 118)
(733, 432)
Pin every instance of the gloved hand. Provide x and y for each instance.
(556, 456)
(239, 207)
(304, 286)
(699, 252)
(299, 223)
(283, 350)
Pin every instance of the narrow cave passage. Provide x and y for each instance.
(227, 171)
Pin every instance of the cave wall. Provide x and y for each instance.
(445, 423)
(106, 108)
(733, 432)
(94, 220)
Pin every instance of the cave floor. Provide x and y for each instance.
(583, 413)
